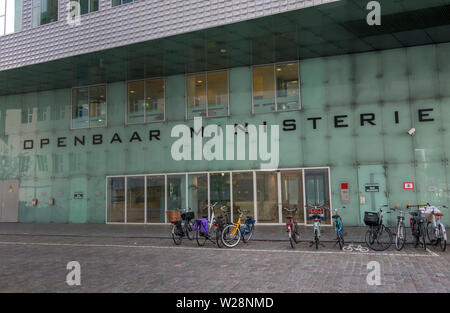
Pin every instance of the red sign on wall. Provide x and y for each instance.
(408, 185)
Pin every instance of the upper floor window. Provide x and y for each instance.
(89, 106)
(276, 88)
(10, 16)
(119, 2)
(44, 12)
(87, 6)
(207, 94)
(146, 101)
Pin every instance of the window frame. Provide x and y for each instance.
(40, 8)
(21, 20)
(121, 3)
(145, 93)
(89, 115)
(274, 65)
(89, 7)
(187, 118)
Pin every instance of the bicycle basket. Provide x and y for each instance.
(188, 216)
(314, 213)
(371, 218)
(173, 216)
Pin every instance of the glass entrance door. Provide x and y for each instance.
(317, 191)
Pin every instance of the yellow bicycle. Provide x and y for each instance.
(232, 233)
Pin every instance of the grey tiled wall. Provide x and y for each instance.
(134, 22)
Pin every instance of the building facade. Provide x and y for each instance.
(93, 112)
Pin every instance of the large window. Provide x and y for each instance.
(267, 197)
(89, 106)
(146, 101)
(10, 16)
(261, 193)
(44, 12)
(207, 94)
(87, 6)
(243, 194)
(119, 2)
(276, 88)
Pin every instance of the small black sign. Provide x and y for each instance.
(78, 195)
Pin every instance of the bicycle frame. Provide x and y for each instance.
(238, 226)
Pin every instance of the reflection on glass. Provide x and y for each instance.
(97, 106)
(287, 86)
(317, 189)
(154, 100)
(10, 16)
(176, 192)
(198, 193)
(219, 190)
(155, 199)
(80, 107)
(218, 93)
(243, 194)
(116, 200)
(267, 197)
(136, 102)
(263, 89)
(292, 194)
(135, 199)
(196, 95)
(44, 11)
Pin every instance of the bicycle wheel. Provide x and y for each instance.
(295, 234)
(381, 238)
(176, 236)
(291, 239)
(431, 233)
(442, 240)
(400, 237)
(340, 240)
(231, 236)
(248, 232)
(200, 237)
(188, 230)
(423, 235)
(219, 241)
(316, 239)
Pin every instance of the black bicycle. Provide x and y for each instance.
(378, 236)
(417, 223)
(183, 227)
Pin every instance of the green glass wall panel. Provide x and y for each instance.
(380, 83)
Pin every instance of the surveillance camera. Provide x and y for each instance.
(412, 131)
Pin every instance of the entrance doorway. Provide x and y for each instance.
(372, 188)
(9, 201)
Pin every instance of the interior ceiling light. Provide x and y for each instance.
(278, 69)
(131, 91)
(223, 50)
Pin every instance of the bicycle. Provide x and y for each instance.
(211, 232)
(232, 233)
(338, 227)
(183, 227)
(291, 227)
(417, 224)
(400, 235)
(436, 232)
(378, 236)
(316, 213)
(221, 221)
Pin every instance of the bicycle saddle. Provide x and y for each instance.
(204, 216)
(439, 214)
(335, 216)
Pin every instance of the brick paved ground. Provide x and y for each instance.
(38, 264)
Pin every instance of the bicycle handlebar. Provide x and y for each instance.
(290, 210)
